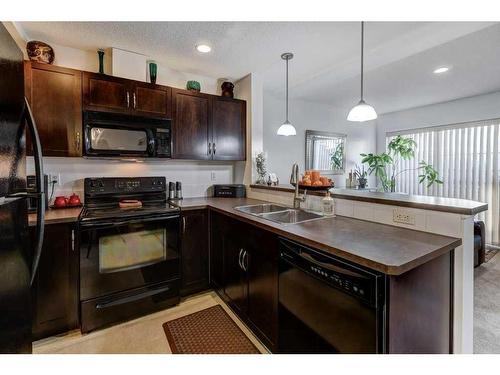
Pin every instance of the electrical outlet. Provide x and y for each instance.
(213, 177)
(54, 178)
(404, 217)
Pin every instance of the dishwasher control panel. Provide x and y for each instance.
(336, 273)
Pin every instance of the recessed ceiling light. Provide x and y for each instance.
(442, 69)
(203, 48)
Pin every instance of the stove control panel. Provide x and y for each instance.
(124, 185)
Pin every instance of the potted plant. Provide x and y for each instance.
(386, 164)
(361, 175)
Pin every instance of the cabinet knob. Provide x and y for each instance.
(128, 99)
(209, 148)
(135, 101)
(215, 148)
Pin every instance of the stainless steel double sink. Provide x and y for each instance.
(279, 214)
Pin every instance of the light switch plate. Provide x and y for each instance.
(403, 217)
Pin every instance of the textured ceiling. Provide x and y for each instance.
(400, 56)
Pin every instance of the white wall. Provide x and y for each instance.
(196, 177)
(282, 152)
(481, 107)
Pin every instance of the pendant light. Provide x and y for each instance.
(362, 111)
(286, 129)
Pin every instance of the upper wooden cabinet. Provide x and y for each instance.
(114, 94)
(55, 97)
(191, 125)
(228, 129)
(208, 127)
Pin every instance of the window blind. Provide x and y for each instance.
(467, 158)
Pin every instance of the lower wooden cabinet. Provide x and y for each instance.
(244, 270)
(55, 289)
(194, 251)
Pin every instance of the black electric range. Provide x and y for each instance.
(129, 257)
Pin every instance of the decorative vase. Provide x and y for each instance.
(193, 86)
(40, 52)
(153, 69)
(227, 89)
(362, 183)
(100, 53)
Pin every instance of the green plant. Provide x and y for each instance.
(337, 157)
(385, 165)
(260, 165)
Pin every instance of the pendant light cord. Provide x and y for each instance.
(286, 93)
(362, 57)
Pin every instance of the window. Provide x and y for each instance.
(467, 158)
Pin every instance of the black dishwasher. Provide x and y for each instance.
(327, 305)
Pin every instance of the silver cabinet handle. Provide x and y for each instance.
(77, 140)
(128, 99)
(239, 258)
(244, 261)
(209, 148)
(72, 240)
(184, 224)
(215, 149)
(135, 101)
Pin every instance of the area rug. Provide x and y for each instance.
(209, 331)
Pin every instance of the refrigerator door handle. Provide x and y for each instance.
(40, 207)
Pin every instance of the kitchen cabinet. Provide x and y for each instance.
(55, 289)
(191, 125)
(55, 97)
(194, 251)
(228, 129)
(114, 94)
(208, 127)
(245, 272)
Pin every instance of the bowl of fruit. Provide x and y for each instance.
(312, 180)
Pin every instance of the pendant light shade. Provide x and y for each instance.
(362, 111)
(287, 128)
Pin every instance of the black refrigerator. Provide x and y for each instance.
(18, 256)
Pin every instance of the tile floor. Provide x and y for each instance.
(139, 336)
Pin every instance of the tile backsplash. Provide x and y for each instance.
(196, 177)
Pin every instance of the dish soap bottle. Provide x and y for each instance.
(328, 205)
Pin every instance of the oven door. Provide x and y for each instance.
(111, 140)
(120, 255)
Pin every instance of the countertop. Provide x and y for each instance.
(385, 248)
(57, 216)
(452, 205)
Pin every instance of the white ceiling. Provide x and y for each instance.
(399, 56)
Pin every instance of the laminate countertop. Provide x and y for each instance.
(443, 204)
(385, 248)
(57, 216)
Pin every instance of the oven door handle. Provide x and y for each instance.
(114, 223)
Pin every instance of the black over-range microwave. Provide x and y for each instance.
(118, 135)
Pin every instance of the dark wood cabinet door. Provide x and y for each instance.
(235, 277)
(262, 265)
(191, 125)
(107, 93)
(229, 129)
(55, 290)
(151, 100)
(194, 251)
(55, 97)
(217, 238)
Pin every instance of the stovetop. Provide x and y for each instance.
(114, 211)
(102, 197)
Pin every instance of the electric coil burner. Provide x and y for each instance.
(129, 257)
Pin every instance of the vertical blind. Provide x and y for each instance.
(468, 160)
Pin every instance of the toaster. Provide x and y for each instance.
(230, 191)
